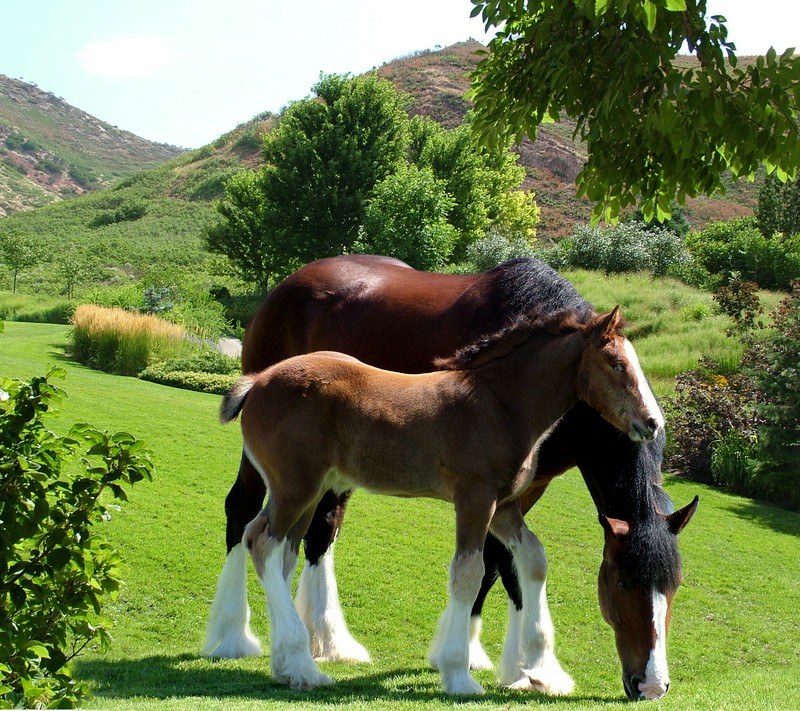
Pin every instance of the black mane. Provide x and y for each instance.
(525, 284)
(522, 330)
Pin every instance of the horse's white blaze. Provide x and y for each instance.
(317, 601)
(229, 634)
(649, 400)
(656, 676)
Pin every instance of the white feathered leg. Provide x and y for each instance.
(228, 635)
(529, 660)
(317, 601)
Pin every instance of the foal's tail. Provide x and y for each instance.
(234, 399)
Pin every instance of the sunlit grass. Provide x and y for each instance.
(734, 632)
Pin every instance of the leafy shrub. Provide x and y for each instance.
(773, 364)
(495, 249)
(708, 405)
(738, 250)
(55, 569)
(125, 213)
(205, 369)
(190, 380)
(627, 247)
(739, 300)
(121, 342)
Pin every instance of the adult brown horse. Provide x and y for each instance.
(468, 433)
(385, 313)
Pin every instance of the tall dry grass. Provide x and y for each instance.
(122, 342)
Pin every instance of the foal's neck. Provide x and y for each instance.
(539, 378)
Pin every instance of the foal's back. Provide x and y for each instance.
(381, 430)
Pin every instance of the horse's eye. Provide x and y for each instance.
(624, 584)
(618, 367)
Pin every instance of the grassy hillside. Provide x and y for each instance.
(51, 150)
(733, 641)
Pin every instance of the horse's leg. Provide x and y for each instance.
(529, 660)
(267, 537)
(317, 597)
(450, 647)
(497, 563)
(228, 633)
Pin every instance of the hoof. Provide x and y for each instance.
(552, 683)
(462, 684)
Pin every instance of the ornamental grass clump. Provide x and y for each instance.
(121, 342)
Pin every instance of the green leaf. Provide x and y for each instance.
(675, 5)
(650, 13)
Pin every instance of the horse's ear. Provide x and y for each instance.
(607, 325)
(615, 526)
(677, 521)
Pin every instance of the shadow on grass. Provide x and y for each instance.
(163, 677)
(779, 520)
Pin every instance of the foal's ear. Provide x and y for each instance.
(677, 521)
(615, 526)
(607, 325)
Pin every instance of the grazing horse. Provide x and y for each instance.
(389, 315)
(468, 433)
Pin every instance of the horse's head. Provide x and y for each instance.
(612, 382)
(640, 573)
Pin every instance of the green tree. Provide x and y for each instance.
(773, 364)
(18, 252)
(655, 127)
(478, 178)
(321, 163)
(407, 218)
(778, 208)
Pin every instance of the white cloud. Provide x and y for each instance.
(125, 56)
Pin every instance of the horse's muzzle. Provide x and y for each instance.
(644, 431)
(637, 690)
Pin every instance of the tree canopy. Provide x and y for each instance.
(348, 163)
(657, 127)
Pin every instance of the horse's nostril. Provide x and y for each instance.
(652, 424)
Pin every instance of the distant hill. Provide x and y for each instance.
(174, 201)
(50, 150)
(438, 80)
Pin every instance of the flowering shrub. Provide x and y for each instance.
(55, 569)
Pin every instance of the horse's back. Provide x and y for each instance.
(376, 309)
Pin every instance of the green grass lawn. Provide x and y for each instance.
(735, 635)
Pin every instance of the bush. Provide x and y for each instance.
(709, 404)
(206, 370)
(738, 250)
(495, 249)
(215, 383)
(55, 569)
(773, 364)
(628, 247)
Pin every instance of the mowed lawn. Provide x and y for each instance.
(735, 635)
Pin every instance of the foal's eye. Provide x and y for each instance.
(618, 367)
(624, 584)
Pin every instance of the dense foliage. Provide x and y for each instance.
(739, 426)
(653, 126)
(55, 569)
(338, 177)
(738, 249)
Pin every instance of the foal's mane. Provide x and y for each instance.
(521, 330)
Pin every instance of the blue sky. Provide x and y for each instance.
(186, 71)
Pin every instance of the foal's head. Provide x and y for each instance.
(640, 572)
(612, 382)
